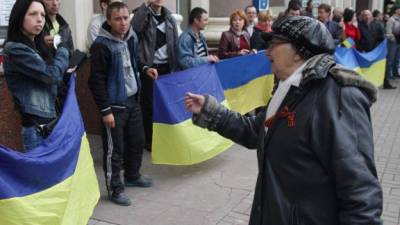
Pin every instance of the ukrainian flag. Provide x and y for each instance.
(370, 65)
(247, 81)
(176, 140)
(349, 42)
(54, 183)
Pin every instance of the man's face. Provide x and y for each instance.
(52, 7)
(202, 22)
(323, 15)
(293, 12)
(251, 14)
(367, 16)
(119, 21)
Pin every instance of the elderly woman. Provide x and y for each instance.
(314, 138)
(31, 77)
(235, 41)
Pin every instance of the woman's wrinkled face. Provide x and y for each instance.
(34, 20)
(238, 23)
(281, 55)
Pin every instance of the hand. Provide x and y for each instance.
(48, 40)
(109, 121)
(194, 103)
(212, 58)
(254, 51)
(151, 72)
(244, 52)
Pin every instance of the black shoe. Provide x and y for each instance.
(389, 86)
(140, 182)
(120, 199)
(147, 146)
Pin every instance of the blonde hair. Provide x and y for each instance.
(264, 16)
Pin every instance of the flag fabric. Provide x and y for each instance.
(54, 183)
(247, 81)
(246, 84)
(349, 42)
(176, 140)
(370, 65)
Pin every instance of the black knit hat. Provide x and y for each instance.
(308, 35)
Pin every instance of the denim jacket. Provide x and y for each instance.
(33, 83)
(187, 50)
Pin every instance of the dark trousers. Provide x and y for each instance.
(147, 101)
(123, 146)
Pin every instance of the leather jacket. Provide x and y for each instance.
(229, 44)
(146, 29)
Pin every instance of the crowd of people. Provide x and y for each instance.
(330, 176)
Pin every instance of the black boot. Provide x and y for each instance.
(388, 85)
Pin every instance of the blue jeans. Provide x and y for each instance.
(392, 60)
(31, 138)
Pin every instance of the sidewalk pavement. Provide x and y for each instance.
(220, 190)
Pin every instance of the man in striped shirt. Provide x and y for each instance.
(192, 46)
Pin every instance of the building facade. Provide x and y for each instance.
(76, 12)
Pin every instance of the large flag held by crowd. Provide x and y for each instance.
(54, 183)
(247, 83)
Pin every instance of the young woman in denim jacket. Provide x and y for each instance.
(32, 81)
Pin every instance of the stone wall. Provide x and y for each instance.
(10, 119)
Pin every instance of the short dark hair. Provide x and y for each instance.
(113, 6)
(196, 14)
(376, 13)
(348, 15)
(325, 7)
(294, 5)
(248, 7)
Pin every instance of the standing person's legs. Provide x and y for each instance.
(147, 103)
(113, 161)
(147, 108)
(390, 59)
(396, 63)
(134, 144)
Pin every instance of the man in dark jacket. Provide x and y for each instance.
(114, 82)
(158, 35)
(372, 32)
(314, 138)
(56, 25)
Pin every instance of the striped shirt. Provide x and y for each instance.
(201, 49)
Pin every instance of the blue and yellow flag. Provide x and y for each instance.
(370, 65)
(54, 183)
(244, 83)
(349, 42)
(247, 81)
(176, 140)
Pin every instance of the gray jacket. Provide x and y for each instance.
(316, 161)
(146, 29)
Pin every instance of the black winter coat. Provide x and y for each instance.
(320, 171)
